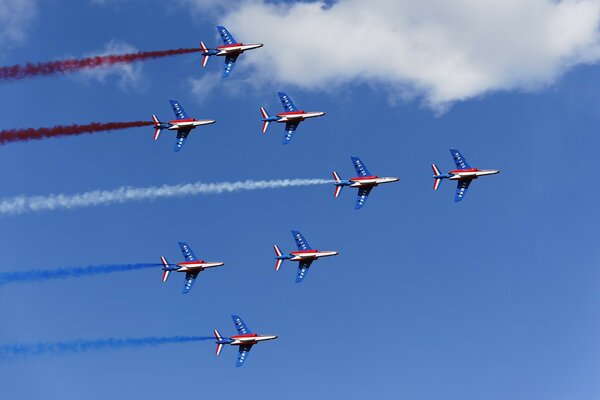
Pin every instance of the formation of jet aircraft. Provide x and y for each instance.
(231, 50)
(183, 124)
(245, 339)
(364, 181)
(305, 255)
(463, 174)
(292, 117)
(192, 266)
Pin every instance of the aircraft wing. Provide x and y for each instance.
(178, 110)
(286, 102)
(225, 35)
(190, 279)
(461, 189)
(187, 252)
(182, 134)
(302, 270)
(240, 325)
(300, 241)
(359, 166)
(243, 354)
(229, 63)
(459, 160)
(290, 128)
(363, 195)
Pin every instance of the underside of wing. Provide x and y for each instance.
(360, 167)
(190, 279)
(286, 102)
(303, 270)
(182, 134)
(188, 253)
(229, 63)
(243, 354)
(459, 160)
(461, 189)
(178, 110)
(363, 195)
(290, 128)
(301, 242)
(240, 325)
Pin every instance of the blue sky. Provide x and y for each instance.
(493, 298)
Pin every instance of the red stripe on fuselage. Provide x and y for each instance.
(174, 121)
(362, 178)
(191, 262)
(304, 251)
(282, 114)
(225, 46)
(244, 336)
(457, 171)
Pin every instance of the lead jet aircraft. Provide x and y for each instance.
(183, 124)
(231, 49)
(245, 340)
(305, 256)
(192, 266)
(291, 116)
(365, 182)
(463, 174)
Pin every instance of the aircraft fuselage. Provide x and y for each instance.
(250, 338)
(295, 116)
(471, 173)
(301, 255)
(188, 123)
(198, 265)
(363, 181)
(236, 48)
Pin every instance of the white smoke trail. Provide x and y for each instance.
(26, 204)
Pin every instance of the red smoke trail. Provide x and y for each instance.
(19, 135)
(64, 66)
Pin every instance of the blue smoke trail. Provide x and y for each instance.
(80, 346)
(38, 275)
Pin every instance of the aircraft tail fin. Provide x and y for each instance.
(219, 345)
(205, 54)
(338, 188)
(265, 116)
(156, 126)
(165, 268)
(279, 260)
(436, 181)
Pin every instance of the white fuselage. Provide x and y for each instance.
(177, 125)
(310, 254)
(371, 181)
(250, 339)
(459, 175)
(188, 266)
(288, 117)
(236, 48)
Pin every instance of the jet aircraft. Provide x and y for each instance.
(463, 174)
(245, 340)
(365, 182)
(183, 124)
(305, 256)
(231, 49)
(291, 116)
(192, 266)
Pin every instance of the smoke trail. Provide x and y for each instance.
(80, 346)
(16, 72)
(23, 204)
(14, 135)
(37, 275)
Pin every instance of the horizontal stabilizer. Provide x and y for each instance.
(166, 269)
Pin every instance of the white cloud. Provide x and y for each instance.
(442, 51)
(15, 17)
(128, 75)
